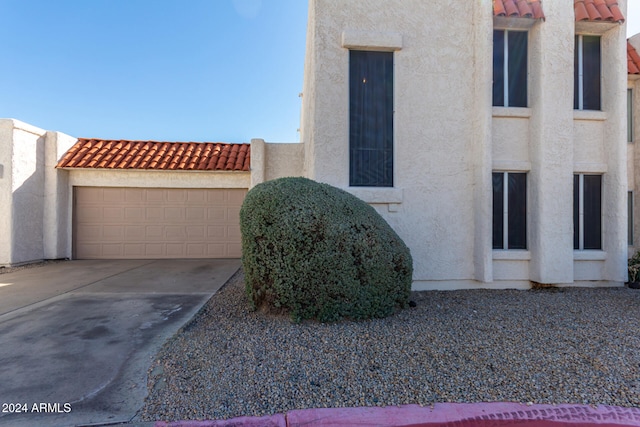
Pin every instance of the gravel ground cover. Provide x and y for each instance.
(559, 345)
(5, 270)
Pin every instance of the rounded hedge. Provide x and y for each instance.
(316, 251)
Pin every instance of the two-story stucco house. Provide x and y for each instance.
(492, 136)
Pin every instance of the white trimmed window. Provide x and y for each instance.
(630, 218)
(587, 73)
(510, 68)
(629, 115)
(587, 211)
(509, 210)
(370, 119)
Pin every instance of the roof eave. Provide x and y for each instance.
(69, 168)
(515, 23)
(597, 28)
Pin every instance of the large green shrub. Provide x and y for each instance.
(319, 252)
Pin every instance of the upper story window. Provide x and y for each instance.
(587, 71)
(510, 68)
(370, 119)
(629, 115)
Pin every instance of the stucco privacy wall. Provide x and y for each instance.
(32, 193)
(448, 139)
(275, 160)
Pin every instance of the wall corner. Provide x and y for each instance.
(257, 161)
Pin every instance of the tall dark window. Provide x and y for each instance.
(370, 119)
(586, 86)
(630, 218)
(587, 211)
(509, 210)
(510, 68)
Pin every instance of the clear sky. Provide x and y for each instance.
(169, 70)
(166, 70)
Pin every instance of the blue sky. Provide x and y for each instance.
(179, 70)
(167, 70)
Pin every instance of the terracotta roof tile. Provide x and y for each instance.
(633, 60)
(518, 8)
(108, 154)
(597, 10)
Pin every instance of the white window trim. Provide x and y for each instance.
(630, 115)
(580, 74)
(511, 255)
(505, 67)
(505, 212)
(630, 225)
(372, 40)
(589, 255)
(581, 77)
(581, 212)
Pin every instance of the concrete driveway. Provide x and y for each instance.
(77, 337)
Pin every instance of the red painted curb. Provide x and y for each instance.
(468, 415)
(439, 415)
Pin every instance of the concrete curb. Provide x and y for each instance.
(439, 415)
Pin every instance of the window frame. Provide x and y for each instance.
(506, 75)
(579, 73)
(629, 115)
(383, 175)
(506, 243)
(581, 214)
(629, 218)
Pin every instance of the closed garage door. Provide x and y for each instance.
(116, 223)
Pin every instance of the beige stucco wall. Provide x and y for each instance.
(57, 198)
(436, 157)
(275, 160)
(157, 179)
(29, 193)
(448, 139)
(6, 187)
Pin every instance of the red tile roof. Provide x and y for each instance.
(597, 10)
(633, 60)
(518, 8)
(108, 154)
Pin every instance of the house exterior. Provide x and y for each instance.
(490, 135)
(497, 168)
(633, 155)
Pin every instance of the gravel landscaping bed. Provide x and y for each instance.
(566, 345)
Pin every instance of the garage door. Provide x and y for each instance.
(116, 223)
